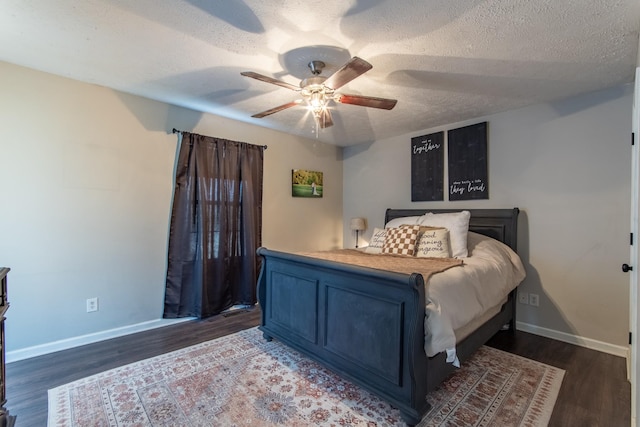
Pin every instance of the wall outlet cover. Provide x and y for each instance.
(523, 298)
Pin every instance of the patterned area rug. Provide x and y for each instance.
(243, 380)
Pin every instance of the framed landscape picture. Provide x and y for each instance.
(305, 183)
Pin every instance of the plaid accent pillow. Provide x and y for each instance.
(401, 240)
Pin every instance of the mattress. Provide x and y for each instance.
(460, 299)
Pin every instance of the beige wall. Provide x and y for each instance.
(86, 181)
(567, 166)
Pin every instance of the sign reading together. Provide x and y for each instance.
(427, 167)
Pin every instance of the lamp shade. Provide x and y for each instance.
(358, 224)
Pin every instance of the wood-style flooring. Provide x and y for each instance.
(594, 392)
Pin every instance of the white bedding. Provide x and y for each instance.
(487, 276)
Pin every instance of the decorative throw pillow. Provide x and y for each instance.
(377, 241)
(405, 220)
(401, 240)
(458, 225)
(433, 243)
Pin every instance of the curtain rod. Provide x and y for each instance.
(179, 131)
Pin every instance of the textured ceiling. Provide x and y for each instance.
(443, 60)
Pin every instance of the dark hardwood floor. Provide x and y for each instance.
(594, 392)
(28, 380)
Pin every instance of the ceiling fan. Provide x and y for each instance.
(317, 91)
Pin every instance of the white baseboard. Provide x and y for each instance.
(39, 350)
(604, 347)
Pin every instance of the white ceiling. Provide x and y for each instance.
(443, 60)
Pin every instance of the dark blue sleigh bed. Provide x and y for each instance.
(366, 324)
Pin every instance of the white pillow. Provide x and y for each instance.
(405, 220)
(377, 241)
(433, 243)
(458, 225)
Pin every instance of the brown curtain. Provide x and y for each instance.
(216, 227)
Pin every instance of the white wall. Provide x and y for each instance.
(567, 166)
(86, 182)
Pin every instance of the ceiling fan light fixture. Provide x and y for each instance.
(314, 92)
(316, 95)
(317, 100)
(317, 104)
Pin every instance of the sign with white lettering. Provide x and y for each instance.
(468, 164)
(427, 167)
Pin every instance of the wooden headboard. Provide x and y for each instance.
(500, 224)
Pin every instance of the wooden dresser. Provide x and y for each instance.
(6, 420)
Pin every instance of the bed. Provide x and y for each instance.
(368, 325)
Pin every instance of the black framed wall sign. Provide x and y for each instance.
(427, 167)
(468, 162)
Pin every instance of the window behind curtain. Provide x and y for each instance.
(216, 227)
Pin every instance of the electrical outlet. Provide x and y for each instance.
(523, 298)
(92, 304)
(534, 300)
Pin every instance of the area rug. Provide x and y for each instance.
(243, 380)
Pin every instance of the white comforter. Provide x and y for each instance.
(490, 272)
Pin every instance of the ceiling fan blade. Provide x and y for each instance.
(366, 101)
(268, 79)
(276, 109)
(325, 120)
(348, 72)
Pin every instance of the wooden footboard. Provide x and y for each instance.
(364, 324)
